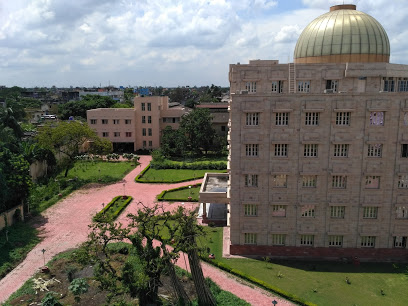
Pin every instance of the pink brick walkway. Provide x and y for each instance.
(66, 226)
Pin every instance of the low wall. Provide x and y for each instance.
(9, 216)
(38, 169)
(363, 254)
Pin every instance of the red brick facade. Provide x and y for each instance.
(363, 254)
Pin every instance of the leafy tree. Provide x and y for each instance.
(79, 108)
(198, 130)
(173, 142)
(128, 95)
(66, 139)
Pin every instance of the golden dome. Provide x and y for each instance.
(343, 35)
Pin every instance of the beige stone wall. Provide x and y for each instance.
(359, 134)
(9, 216)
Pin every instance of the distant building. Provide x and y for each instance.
(220, 116)
(117, 95)
(139, 127)
(319, 147)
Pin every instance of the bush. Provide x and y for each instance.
(108, 213)
(50, 300)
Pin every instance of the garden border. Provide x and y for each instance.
(161, 195)
(99, 216)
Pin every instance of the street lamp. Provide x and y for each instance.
(274, 302)
(43, 251)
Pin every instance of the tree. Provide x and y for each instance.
(66, 139)
(173, 142)
(79, 108)
(198, 130)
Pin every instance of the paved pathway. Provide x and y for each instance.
(65, 226)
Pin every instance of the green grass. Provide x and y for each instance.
(106, 172)
(182, 194)
(21, 239)
(327, 278)
(112, 210)
(174, 175)
(46, 195)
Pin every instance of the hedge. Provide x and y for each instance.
(100, 216)
(192, 166)
(289, 296)
(160, 197)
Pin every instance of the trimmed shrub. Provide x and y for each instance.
(107, 213)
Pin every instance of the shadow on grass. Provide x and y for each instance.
(346, 266)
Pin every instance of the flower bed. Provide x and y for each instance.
(113, 209)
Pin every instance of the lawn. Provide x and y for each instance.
(46, 195)
(21, 239)
(323, 283)
(182, 194)
(174, 175)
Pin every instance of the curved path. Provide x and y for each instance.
(65, 226)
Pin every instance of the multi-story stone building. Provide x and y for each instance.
(139, 127)
(319, 147)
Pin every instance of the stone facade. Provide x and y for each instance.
(319, 160)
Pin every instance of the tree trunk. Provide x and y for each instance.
(182, 296)
(66, 171)
(205, 297)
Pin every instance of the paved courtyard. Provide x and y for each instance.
(65, 226)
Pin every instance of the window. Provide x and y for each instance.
(343, 118)
(252, 119)
(281, 150)
(105, 134)
(149, 119)
(375, 150)
(149, 132)
(310, 150)
(372, 182)
(277, 86)
(307, 211)
(150, 143)
(223, 128)
(251, 210)
(143, 107)
(367, 241)
(116, 134)
(339, 181)
(312, 118)
(93, 121)
(403, 181)
(251, 149)
(278, 239)
(280, 181)
(128, 121)
(335, 241)
(401, 212)
(143, 119)
(104, 121)
(306, 240)
(402, 84)
(404, 150)
(250, 86)
(251, 180)
(400, 242)
(128, 134)
(115, 121)
(332, 85)
(282, 119)
(341, 150)
(377, 118)
(144, 132)
(279, 210)
(304, 86)
(309, 181)
(406, 118)
(144, 143)
(370, 212)
(149, 107)
(389, 84)
(250, 238)
(337, 212)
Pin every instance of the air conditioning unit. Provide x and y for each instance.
(328, 91)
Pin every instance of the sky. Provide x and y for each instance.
(165, 43)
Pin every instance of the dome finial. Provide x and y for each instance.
(343, 7)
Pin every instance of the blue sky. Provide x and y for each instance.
(161, 42)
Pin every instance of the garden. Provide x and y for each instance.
(321, 283)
